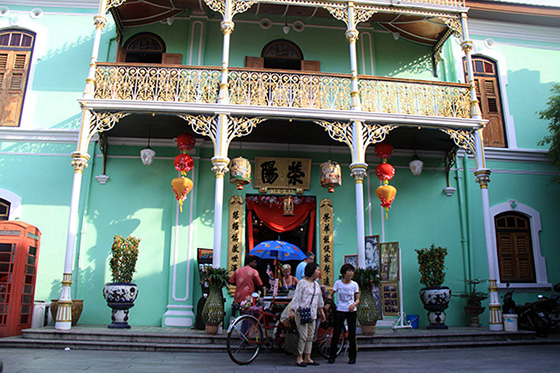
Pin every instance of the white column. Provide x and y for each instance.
(63, 319)
(483, 178)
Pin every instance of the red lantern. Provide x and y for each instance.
(384, 150)
(386, 194)
(385, 171)
(181, 186)
(185, 141)
(183, 163)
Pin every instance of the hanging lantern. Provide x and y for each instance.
(331, 175)
(385, 172)
(240, 172)
(384, 151)
(183, 163)
(185, 141)
(386, 194)
(181, 186)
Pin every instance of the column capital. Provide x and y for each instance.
(100, 21)
(227, 27)
(352, 35)
(79, 161)
(358, 171)
(220, 166)
(467, 46)
(483, 177)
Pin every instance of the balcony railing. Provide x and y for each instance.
(281, 89)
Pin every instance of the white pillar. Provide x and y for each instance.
(63, 319)
(483, 178)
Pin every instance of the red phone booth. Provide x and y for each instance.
(19, 253)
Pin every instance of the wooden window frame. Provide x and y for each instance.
(15, 62)
(488, 92)
(514, 248)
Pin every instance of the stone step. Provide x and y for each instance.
(141, 338)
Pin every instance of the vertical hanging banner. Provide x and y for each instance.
(326, 242)
(235, 248)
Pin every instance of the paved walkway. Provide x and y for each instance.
(509, 359)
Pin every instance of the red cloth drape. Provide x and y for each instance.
(272, 216)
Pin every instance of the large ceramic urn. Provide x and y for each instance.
(436, 300)
(120, 297)
(213, 311)
(367, 312)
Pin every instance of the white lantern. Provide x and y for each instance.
(147, 155)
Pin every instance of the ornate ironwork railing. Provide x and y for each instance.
(280, 89)
(156, 83)
(420, 98)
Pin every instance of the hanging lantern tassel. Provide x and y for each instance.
(181, 186)
(386, 194)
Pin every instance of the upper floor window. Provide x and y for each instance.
(4, 209)
(488, 93)
(15, 55)
(282, 55)
(145, 47)
(515, 251)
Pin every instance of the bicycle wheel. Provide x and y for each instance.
(324, 338)
(244, 339)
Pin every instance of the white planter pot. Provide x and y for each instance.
(120, 297)
(436, 300)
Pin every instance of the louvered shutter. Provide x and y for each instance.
(506, 258)
(13, 76)
(525, 266)
(487, 92)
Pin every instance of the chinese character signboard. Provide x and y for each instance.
(326, 251)
(282, 173)
(235, 249)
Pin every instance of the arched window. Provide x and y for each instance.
(282, 54)
(488, 93)
(4, 209)
(16, 47)
(515, 252)
(516, 243)
(144, 47)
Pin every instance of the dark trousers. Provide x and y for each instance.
(339, 318)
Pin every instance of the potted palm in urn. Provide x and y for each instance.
(474, 302)
(431, 264)
(368, 313)
(121, 293)
(213, 311)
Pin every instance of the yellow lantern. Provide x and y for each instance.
(181, 186)
(386, 194)
(331, 175)
(240, 172)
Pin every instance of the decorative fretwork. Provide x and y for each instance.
(462, 138)
(415, 98)
(238, 6)
(114, 3)
(103, 121)
(142, 83)
(338, 131)
(375, 133)
(204, 125)
(454, 23)
(339, 12)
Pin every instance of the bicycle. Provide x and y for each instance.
(248, 333)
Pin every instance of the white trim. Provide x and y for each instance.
(38, 135)
(94, 4)
(482, 49)
(535, 223)
(515, 31)
(15, 203)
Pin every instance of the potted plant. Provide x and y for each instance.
(121, 293)
(368, 314)
(213, 311)
(431, 264)
(474, 301)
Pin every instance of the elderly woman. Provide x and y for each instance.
(307, 295)
(289, 282)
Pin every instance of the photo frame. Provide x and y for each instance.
(389, 261)
(390, 298)
(351, 259)
(371, 249)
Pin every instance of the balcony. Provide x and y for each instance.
(267, 93)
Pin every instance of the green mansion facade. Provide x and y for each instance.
(86, 85)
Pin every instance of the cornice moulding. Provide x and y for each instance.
(39, 135)
(514, 31)
(55, 3)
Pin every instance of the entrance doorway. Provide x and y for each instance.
(266, 221)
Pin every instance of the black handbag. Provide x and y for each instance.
(305, 312)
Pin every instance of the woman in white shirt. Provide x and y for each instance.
(348, 297)
(307, 294)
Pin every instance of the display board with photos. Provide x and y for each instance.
(390, 298)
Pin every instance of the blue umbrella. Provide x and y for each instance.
(277, 250)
